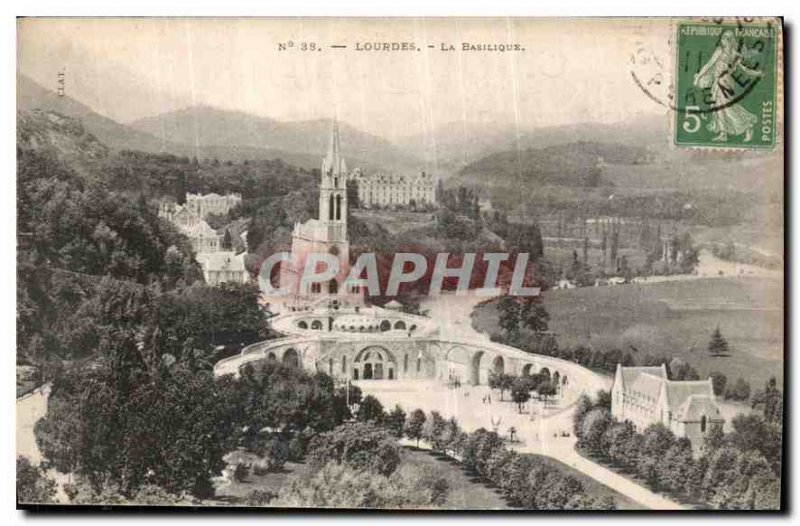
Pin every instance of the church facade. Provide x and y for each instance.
(325, 235)
(645, 396)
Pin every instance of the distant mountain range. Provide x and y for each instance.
(572, 164)
(209, 132)
(456, 145)
(207, 125)
(204, 131)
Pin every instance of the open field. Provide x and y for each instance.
(466, 491)
(675, 319)
(396, 221)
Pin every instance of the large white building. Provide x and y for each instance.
(205, 205)
(645, 396)
(223, 267)
(218, 265)
(389, 190)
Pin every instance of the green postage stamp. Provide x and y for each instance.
(725, 85)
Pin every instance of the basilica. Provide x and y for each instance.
(326, 234)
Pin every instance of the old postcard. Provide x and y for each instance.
(463, 264)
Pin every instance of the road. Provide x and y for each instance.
(30, 408)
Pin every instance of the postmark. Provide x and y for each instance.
(724, 85)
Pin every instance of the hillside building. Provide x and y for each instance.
(645, 396)
(223, 267)
(204, 205)
(393, 190)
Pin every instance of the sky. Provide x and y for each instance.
(570, 71)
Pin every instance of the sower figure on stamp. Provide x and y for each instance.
(719, 74)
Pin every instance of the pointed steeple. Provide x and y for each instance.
(333, 164)
(333, 146)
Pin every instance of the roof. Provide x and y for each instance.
(200, 229)
(689, 400)
(647, 384)
(697, 406)
(629, 374)
(679, 392)
(218, 261)
(394, 304)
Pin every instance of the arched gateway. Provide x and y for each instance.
(374, 363)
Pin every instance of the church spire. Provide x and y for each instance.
(333, 164)
(333, 147)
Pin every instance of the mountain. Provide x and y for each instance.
(62, 138)
(572, 164)
(207, 126)
(31, 95)
(456, 145)
(303, 147)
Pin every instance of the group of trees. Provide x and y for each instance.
(527, 481)
(360, 465)
(88, 259)
(524, 312)
(131, 421)
(737, 470)
(524, 386)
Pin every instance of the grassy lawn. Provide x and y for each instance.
(466, 491)
(469, 492)
(674, 319)
(396, 221)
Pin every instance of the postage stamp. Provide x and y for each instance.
(725, 85)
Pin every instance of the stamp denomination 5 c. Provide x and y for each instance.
(725, 85)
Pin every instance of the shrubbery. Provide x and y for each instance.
(738, 470)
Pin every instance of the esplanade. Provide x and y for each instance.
(365, 343)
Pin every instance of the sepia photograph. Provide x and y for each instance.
(438, 263)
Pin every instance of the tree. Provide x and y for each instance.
(395, 421)
(593, 428)
(370, 409)
(509, 318)
(227, 241)
(480, 446)
(604, 399)
(718, 346)
(770, 401)
(534, 316)
(582, 408)
(33, 486)
(414, 424)
(718, 382)
(545, 390)
(520, 392)
(755, 433)
(676, 465)
(432, 430)
(617, 442)
(361, 445)
(739, 392)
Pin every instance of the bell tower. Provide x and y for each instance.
(333, 186)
